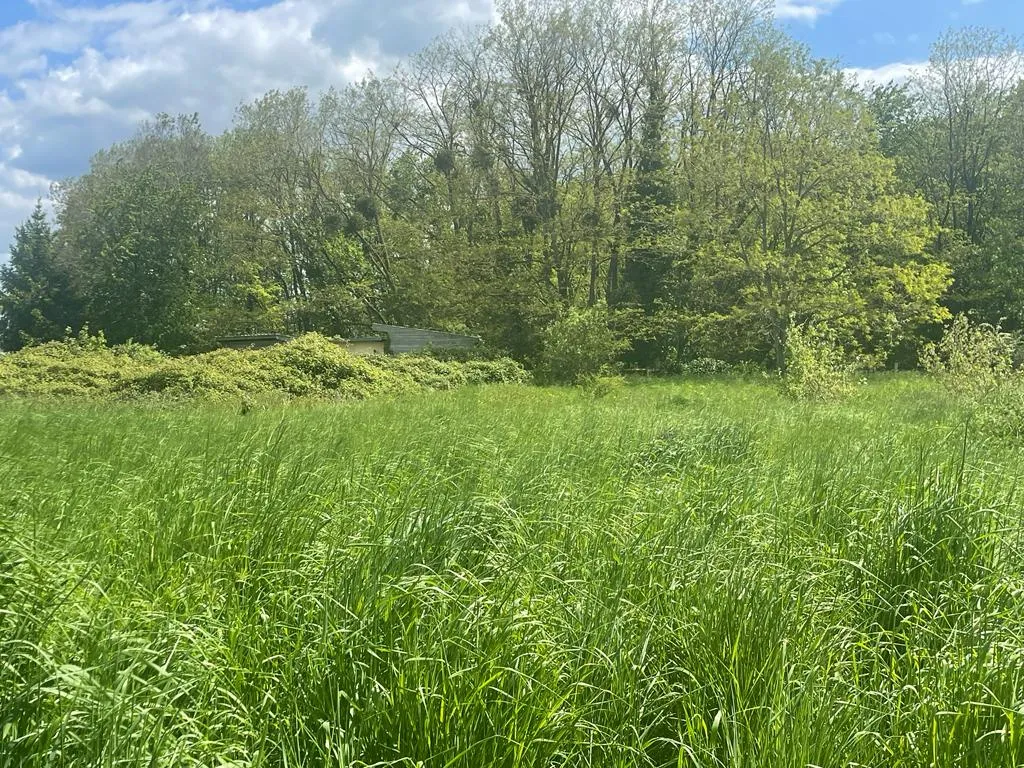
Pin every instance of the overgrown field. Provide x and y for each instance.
(675, 574)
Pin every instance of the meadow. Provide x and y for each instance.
(675, 573)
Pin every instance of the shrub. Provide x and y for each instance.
(971, 359)
(332, 368)
(182, 377)
(1001, 413)
(78, 366)
(603, 386)
(259, 372)
(706, 366)
(578, 347)
(816, 366)
(975, 361)
(311, 365)
(427, 371)
(463, 354)
(500, 371)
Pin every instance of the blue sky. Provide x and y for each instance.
(876, 33)
(77, 75)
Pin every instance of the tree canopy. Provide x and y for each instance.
(682, 166)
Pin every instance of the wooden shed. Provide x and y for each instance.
(402, 340)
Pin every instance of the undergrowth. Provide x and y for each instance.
(309, 366)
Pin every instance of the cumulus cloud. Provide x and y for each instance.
(82, 75)
(19, 192)
(808, 11)
(897, 72)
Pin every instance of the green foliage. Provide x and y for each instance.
(972, 359)
(503, 370)
(36, 299)
(464, 354)
(1001, 413)
(706, 366)
(703, 222)
(138, 233)
(850, 250)
(604, 386)
(309, 366)
(578, 347)
(78, 366)
(962, 152)
(817, 368)
(975, 362)
(693, 573)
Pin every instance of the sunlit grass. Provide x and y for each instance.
(677, 574)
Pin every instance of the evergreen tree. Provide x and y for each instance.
(35, 297)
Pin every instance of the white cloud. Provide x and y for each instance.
(21, 179)
(85, 72)
(804, 10)
(19, 192)
(895, 72)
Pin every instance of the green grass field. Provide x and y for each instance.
(675, 574)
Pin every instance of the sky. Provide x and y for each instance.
(78, 75)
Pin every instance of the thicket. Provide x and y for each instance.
(817, 367)
(85, 366)
(579, 347)
(977, 363)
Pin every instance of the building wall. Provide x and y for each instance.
(404, 340)
(366, 348)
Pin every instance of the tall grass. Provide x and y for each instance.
(676, 574)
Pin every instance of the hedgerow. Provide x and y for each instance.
(309, 366)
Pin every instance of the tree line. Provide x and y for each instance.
(683, 169)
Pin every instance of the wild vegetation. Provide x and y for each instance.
(311, 366)
(779, 559)
(697, 573)
(681, 167)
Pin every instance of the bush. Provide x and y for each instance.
(976, 363)
(500, 371)
(311, 365)
(427, 371)
(182, 377)
(331, 368)
(464, 354)
(78, 366)
(706, 366)
(972, 359)
(1001, 413)
(578, 347)
(816, 366)
(603, 386)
